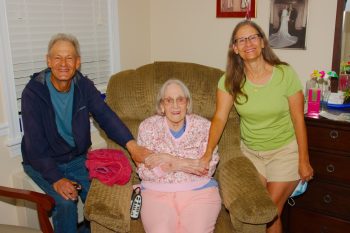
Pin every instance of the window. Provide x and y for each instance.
(26, 28)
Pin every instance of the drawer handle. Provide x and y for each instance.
(327, 198)
(334, 134)
(330, 168)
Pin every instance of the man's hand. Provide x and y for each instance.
(66, 189)
(138, 153)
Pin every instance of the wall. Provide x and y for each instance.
(187, 30)
(134, 28)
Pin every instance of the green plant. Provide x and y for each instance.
(347, 96)
(345, 67)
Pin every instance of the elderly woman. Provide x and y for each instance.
(176, 197)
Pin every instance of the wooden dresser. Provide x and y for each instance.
(325, 206)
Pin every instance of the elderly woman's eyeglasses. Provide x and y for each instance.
(243, 40)
(181, 100)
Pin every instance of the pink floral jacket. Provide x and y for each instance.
(154, 133)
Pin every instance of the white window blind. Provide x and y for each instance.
(31, 23)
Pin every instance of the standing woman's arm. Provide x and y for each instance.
(296, 106)
(224, 103)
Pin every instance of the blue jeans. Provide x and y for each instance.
(65, 212)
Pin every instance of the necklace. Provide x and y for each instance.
(260, 76)
(257, 78)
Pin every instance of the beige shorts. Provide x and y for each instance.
(277, 165)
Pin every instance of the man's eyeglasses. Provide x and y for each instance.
(181, 100)
(243, 40)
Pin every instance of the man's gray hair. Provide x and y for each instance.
(183, 87)
(64, 37)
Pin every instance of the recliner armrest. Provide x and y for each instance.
(109, 206)
(243, 193)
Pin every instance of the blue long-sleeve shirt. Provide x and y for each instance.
(42, 146)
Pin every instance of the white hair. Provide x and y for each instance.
(183, 87)
(64, 37)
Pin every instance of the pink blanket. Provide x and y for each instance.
(109, 166)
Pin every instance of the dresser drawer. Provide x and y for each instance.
(303, 221)
(329, 138)
(330, 167)
(326, 198)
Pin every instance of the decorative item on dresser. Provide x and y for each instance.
(325, 206)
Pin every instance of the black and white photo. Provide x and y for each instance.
(288, 22)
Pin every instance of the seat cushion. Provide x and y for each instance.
(18, 229)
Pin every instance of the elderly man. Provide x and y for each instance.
(56, 107)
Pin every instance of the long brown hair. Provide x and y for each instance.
(235, 77)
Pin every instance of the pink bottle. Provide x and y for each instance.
(314, 101)
(343, 82)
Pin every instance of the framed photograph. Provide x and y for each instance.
(235, 9)
(288, 23)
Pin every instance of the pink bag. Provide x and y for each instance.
(109, 166)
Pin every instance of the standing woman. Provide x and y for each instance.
(268, 97)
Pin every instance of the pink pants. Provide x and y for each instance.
(180, 212)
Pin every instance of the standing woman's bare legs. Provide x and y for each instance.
(279, 192)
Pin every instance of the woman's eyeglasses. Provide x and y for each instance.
(243, 40)
(181, 100)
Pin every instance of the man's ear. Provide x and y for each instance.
(48, 62)
(78, 63)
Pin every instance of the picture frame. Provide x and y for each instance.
(235, 8)
(288, 24)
